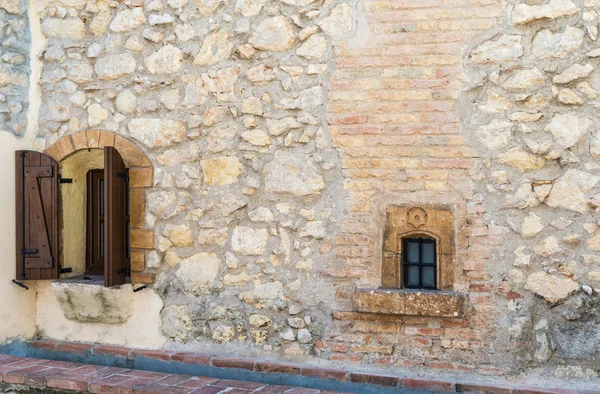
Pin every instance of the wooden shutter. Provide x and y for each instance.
(115, 194)
(36, 216)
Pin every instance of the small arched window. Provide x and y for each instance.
(419, 263)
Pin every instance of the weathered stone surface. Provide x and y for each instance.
(198, 273)
(506, 48)
(532, 225)
(595, 144)
(214, 49)
(267, 295)
(524, 79)
(126, 102)
(180, 235)
(157, 132)
(518, 158)
(249, 241)
(497, 135)
(223, 334)
(274, 34)
(314, 229)
(207, 7)
(280, 126)
(249, 7)
(94, 304)
(576, 71)
(260, 321)
(221, 171)
(569, 97)
(552, 288)
(256, 137)
(560, 45)
(96, 114)
(167, 60)
(313, 48)
(548, 247)
(495, 103)
(291, 173)
(11, 6)
(115, 66)
(568, 129)
(63, 28)
(127, 20)
(395, 302)
(569, 191)
(176, 322)
(524, 13)
(339, 22)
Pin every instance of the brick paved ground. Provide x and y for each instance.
(61, 375)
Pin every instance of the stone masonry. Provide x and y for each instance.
(280, 131)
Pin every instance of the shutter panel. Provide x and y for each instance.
(36, 216)
(115, 192)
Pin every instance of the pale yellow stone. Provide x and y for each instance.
(524, 161)
(220, 171)
(179, 235)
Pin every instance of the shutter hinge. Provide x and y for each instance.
(65, 270)
(29, 251)
(20, 284)
(140, 288)
(64, 180)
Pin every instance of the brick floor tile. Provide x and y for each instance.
(68, 382)
(302, 390)
(273, 389)
(208, 390)
(129, 386)
(161, 389)
(62, 364)
(197, 381)
(86, 369)
(173, 380)
(238, 384)
(18, 376)
(144, 374)
(104, 385)
(39, 378)
(27, 362)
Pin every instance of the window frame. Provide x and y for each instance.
(405, 264)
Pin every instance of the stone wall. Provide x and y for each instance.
(229, 102)
(281, 131)
(14, 66)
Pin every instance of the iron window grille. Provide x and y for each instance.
(419, 263)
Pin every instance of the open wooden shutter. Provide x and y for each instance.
(115, 195)
(36, 216)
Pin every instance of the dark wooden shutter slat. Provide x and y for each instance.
(115, 189)
(36, 216)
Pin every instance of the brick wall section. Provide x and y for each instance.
(392, 112)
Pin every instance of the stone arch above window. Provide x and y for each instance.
(418, 222)
(140, 178)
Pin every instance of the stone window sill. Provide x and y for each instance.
(410, 302)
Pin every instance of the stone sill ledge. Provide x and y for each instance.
(253, 369)
(410, 302)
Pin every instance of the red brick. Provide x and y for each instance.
(197, 381)
(43, 344)
(534, 390)
(384, 380)
(273, 390)
(160, 389)
(238, 384)
(434, 385)
(79, 348)
(128, 386)
(192, 358)
(483, 388)
(39, 378)
(61, 364)
(144, 374)
(68, 382)
(229, 362)
(105, 385)
(28, 362)
(208, 390)
(323, 373)
(157, 354)
(18, 376)
(112, 351)
(173, 380)
(271, 367)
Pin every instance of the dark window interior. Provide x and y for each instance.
(419, 263)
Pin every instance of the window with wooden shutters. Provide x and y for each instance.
(36, 216)
(107, 219)
(116, 262)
